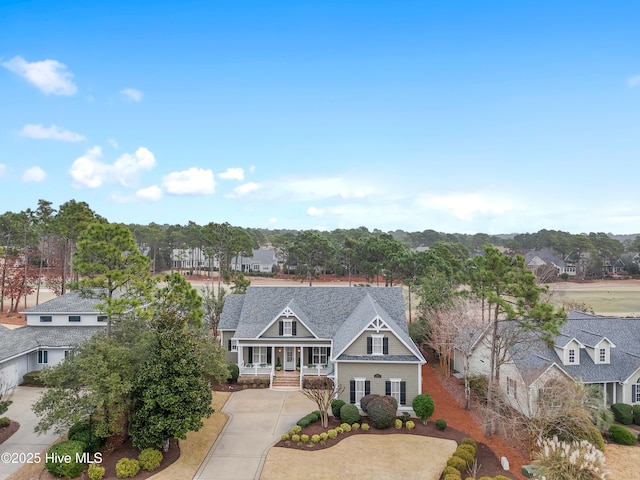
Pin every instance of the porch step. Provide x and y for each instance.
(286, 381)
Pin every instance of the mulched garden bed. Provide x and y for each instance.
(9, 430)
(488, 462)
(117, 448)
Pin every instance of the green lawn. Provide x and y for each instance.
(605, 298)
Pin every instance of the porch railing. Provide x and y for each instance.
(315, 370)
(256, 369)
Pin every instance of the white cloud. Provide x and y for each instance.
(152, 194)
(194, 181)
(634, 81)
(48, 76)
(315, 212)
(89, 171)
(232, 174)
(132, 94)
(273, 220)
(51, 133)
(34, 174)
(244, 190)
(464, 206)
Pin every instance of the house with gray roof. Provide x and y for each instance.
(592, 349)
(53, 329)
(357, 336)
(262, 260)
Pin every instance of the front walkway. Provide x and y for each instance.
(257, 419)
(24, 441)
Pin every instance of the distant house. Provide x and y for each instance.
(595, 350)
(191, 259)
(53, 329)
(356, 335)
(261, 261)
(535, 260)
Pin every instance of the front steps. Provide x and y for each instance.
(286, 381)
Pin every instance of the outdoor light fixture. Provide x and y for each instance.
(377, 375)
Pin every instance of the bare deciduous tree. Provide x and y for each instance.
(322, 391)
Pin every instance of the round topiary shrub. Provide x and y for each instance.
(441, 424)
(364, 426)
(345, 426)
(4, 422)
(304, 438)
(501, 477)
(468, 441)
(450, 470)
(424, 406)
(150, 459)
(452, 476)
(465, 455)
(469, 448)
(349, 413)
(410, 424)
(336, 406)
(333, 433)
(355, 426)
(58, 453)
(95, 472)
(458, 463)
(398, 424)
(382, 411)
(127, 468)
(623, 413)
(234, 372)
(364, 401)
(621, 435)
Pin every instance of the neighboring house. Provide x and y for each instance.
(537, 259)
(53, 329)
(356, 335)
(595, 350)
(263, 260)
(191, 258)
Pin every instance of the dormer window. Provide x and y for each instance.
(287, 328)
(572, 355)
(377, 345)
(603, 355)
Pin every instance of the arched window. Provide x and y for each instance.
(635, 392)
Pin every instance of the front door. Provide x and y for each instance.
(290, 358)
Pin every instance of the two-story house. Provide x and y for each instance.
(358, 336)
(595, 350)
(53, 329)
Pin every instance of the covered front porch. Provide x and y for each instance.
(296, 361)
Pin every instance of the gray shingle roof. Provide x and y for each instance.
(20, 340)
(71, 302)
(589, 330)
(337, 313)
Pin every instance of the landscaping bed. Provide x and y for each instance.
(9, 430)
(488, 462)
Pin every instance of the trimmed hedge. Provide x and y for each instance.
(150, 459)
(127, 468)
(336, 405)
(441, 424)
(349, 413)
(32, 378)
(308, 420)
(623, 413)
(60, 468)
(382, 411)
(621, 435)
(4, 422)
(234, 372)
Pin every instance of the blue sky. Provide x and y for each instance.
(492, 117)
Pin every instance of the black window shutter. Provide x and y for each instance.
(367, 387)
(280, 328)
(293, 328)
(385, 345)
(403, 393)
(387, 387)
(309, 355)
(250, 355)
(634, 391)
(269, 355)
(369, 345)
(352, 391)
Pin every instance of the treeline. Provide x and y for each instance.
(37, 246)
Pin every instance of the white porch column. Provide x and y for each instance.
(604, 395)
(615, 392)
(240, 351)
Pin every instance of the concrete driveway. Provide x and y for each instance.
(257, 419)
(24, 440)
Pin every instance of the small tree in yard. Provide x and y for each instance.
(424, 406)
(322, 391)
(4, 394)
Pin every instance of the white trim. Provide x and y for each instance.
(379, 337)
(287, 312)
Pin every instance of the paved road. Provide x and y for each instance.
(24, 441)
(257, 419)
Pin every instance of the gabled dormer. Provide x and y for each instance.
(569, 353)
(287, 324)
(600, 353)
